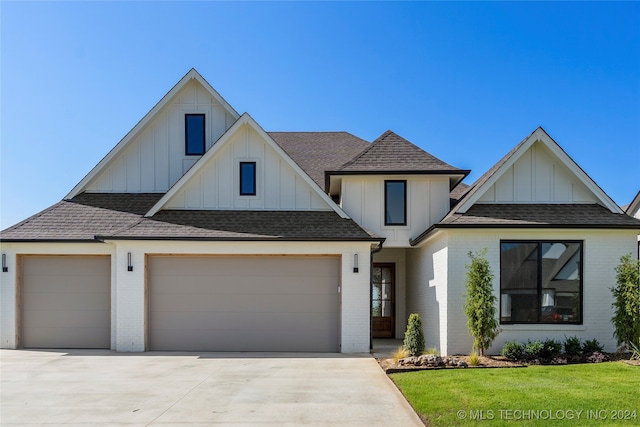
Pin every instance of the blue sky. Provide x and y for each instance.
(464, 81)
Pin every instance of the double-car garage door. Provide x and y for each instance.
(194, 303)
(243, 303)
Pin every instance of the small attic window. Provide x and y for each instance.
(247, 178)
(194, 134)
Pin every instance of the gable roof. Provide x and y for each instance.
(245, 119)
(120, 147)
(317, 152)
(634, 207)
(391, 154)
(92, 217)
(497, 170)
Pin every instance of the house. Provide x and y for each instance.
(199, 231)
(633, 209)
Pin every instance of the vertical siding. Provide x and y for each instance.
(217, 183)
(537, 177)
(427, 203)
(155, 159)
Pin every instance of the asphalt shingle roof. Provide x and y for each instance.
(317, 152)
(540, 215)
(392, 153)
(120, 216)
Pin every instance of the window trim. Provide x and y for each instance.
(186, 134)
(539, 288)
(386, 201)
(241, 180)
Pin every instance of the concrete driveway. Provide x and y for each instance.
(86, 387)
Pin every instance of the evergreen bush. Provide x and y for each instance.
(413, 336)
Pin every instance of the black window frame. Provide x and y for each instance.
(242, 193)
(386, 201)
(539, 288)
(186, 135)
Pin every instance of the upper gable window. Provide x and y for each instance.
(194, 134)
(395, 203)
(247, 178)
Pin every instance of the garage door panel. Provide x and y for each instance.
(273, 303)
(61, 300)
(66, 302)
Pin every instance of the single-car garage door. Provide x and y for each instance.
(244, 303)
(66, 301)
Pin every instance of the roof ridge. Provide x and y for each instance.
(363, 152)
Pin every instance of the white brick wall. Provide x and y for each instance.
(602, 252)
(128, 287)
(427, 289)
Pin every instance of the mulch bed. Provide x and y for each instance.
(390, 366)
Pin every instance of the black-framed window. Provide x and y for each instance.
(395, 203)
(541, 282)
(247, 178)
(194, 134)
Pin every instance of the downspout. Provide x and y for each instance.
(373, 251)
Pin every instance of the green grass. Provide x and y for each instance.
(567, 395)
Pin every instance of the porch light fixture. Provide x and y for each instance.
(4, 263)
(355, 263)
(129, 265)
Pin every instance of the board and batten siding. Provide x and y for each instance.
(538, 177)
(216, 185)
(155, 159)
(427, 203)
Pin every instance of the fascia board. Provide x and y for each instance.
(120, 146)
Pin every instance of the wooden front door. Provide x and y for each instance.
(383, 295)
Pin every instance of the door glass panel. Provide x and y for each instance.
(382, 292)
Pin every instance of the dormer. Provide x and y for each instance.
(394, 188)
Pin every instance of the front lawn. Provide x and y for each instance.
(603, 394)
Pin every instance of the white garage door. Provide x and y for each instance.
(251, 303)
(66, 302)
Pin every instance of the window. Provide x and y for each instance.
(247, 178)
(541, 282)
(194, 134)
(395, 203)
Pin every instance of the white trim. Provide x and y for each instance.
(541, 136)
(248, 120)
(120, 147)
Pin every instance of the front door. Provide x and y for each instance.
(383, 301)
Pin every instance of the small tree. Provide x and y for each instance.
(626, 304)
(480, 304)
(413, 336)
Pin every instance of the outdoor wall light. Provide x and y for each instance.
(355, 263)
(129, 265)
(4, 263)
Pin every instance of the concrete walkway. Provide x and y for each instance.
(232, 389)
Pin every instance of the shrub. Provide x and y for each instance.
(534, 349)
(414, 337)
(591, 346)
(513, 350)
(550, 349)
(474, 359)
(572, 347)
(432, 350)
(480, 304)
(626, 303)
(400, 353)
